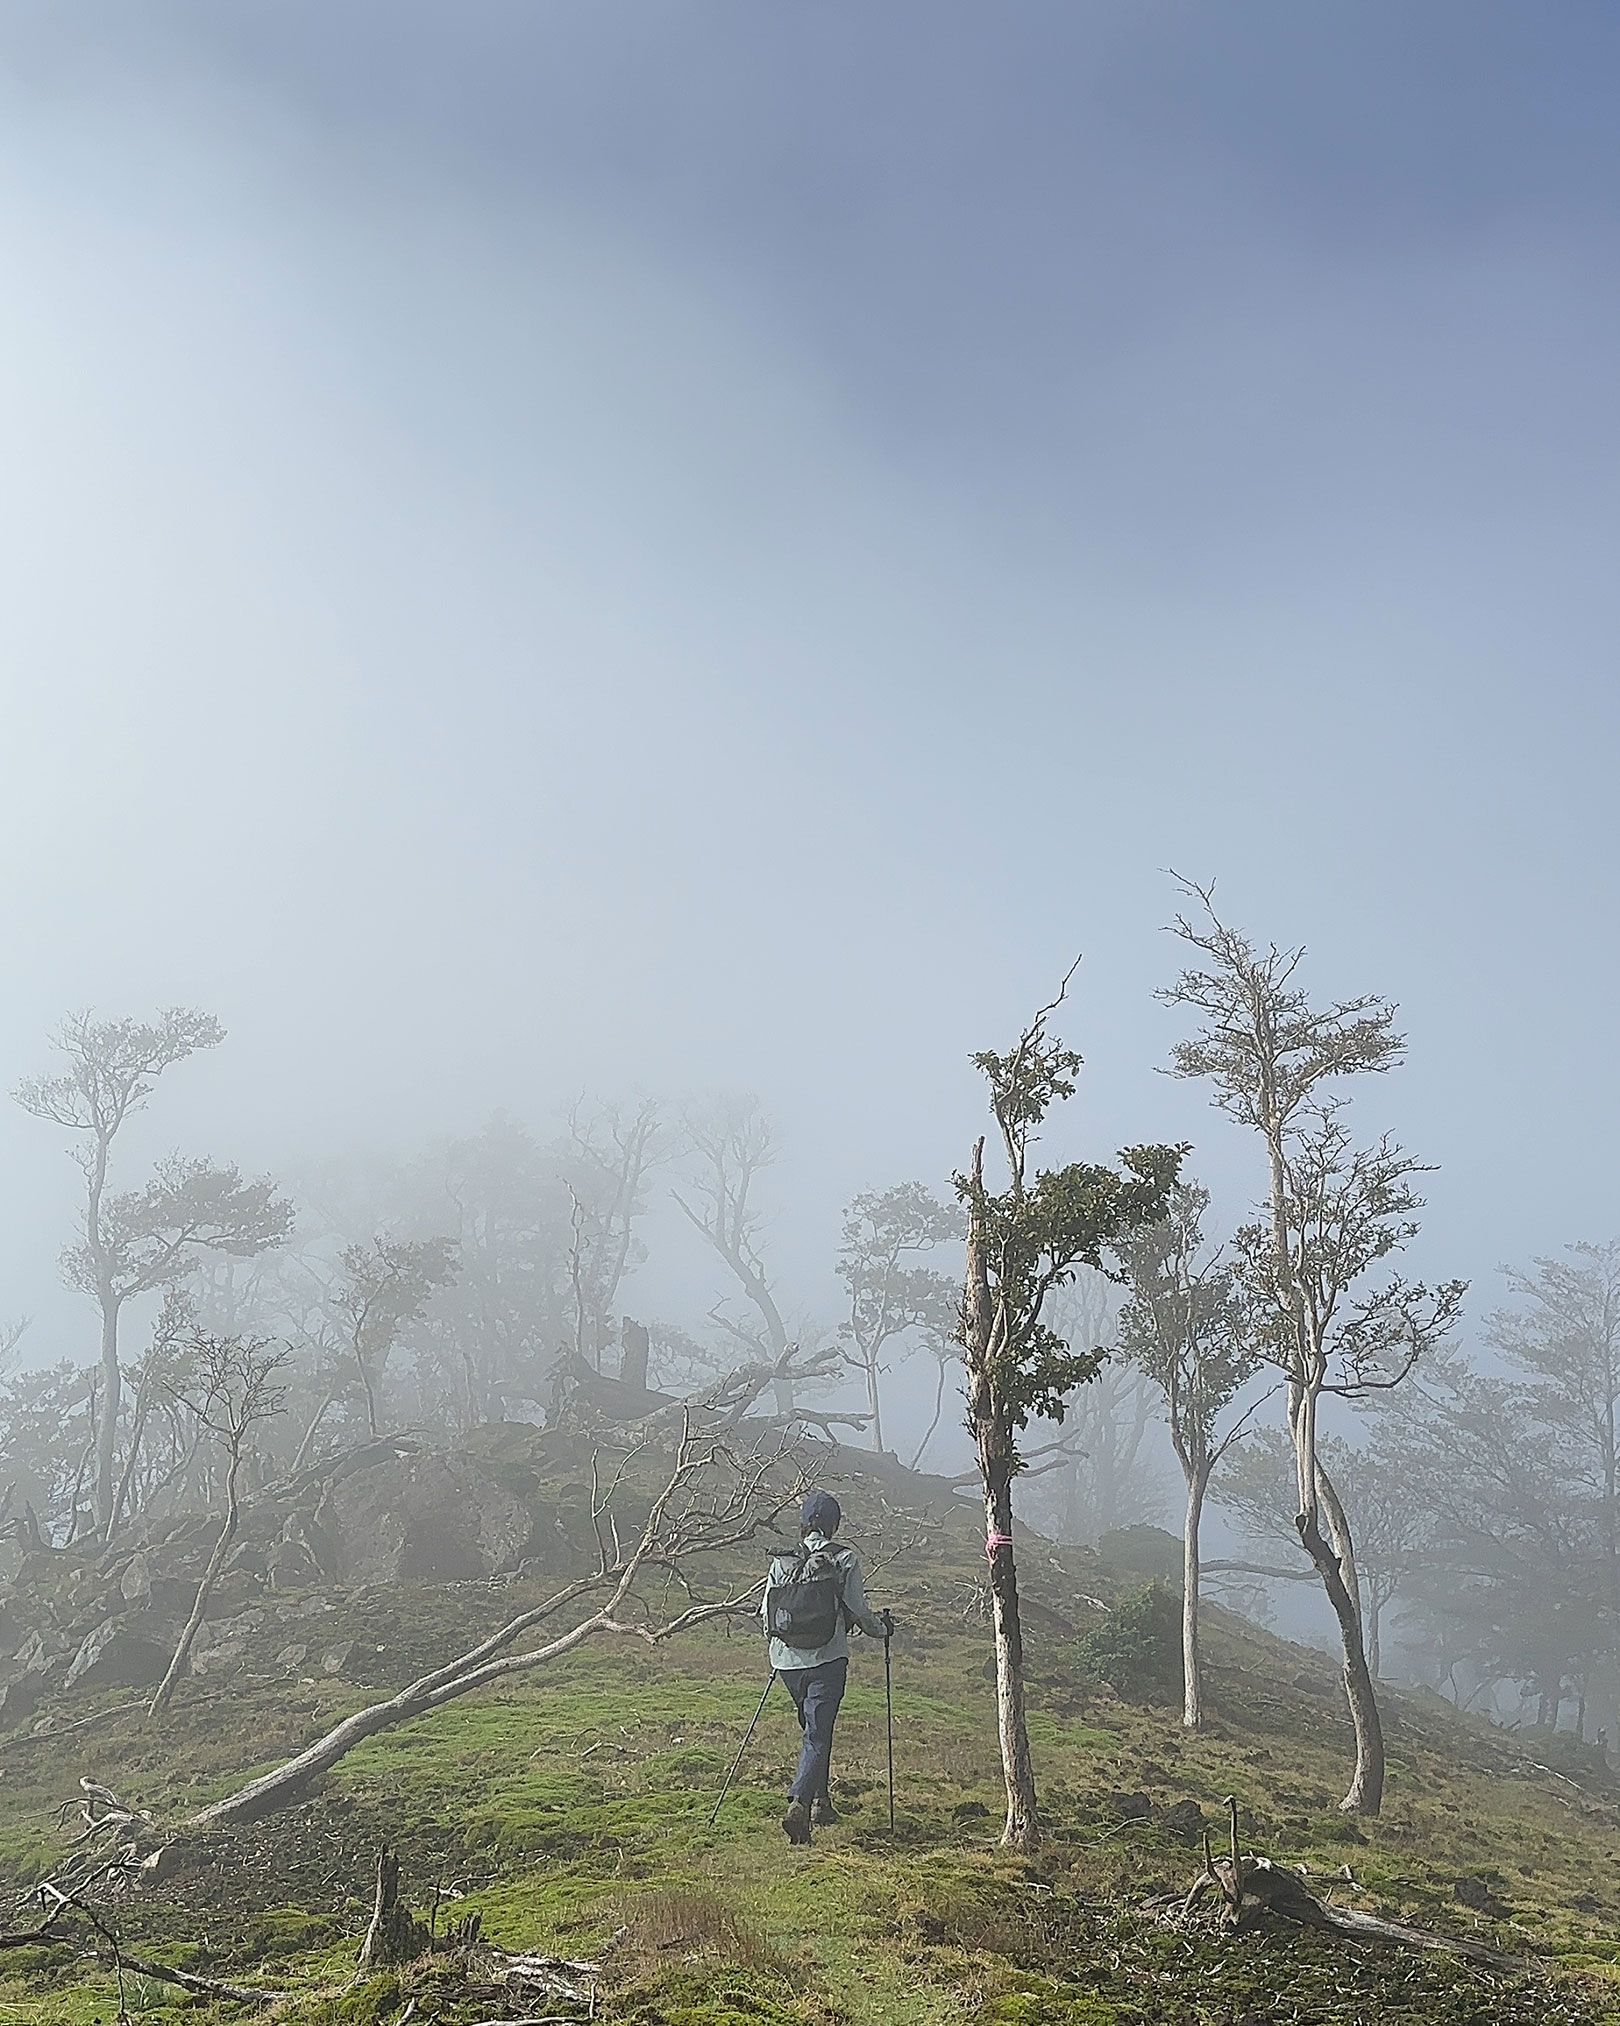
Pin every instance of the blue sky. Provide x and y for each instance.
(589, 546)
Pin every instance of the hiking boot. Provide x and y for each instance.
(796, 1823)
(824, 1814)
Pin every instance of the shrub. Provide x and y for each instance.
(1137, 1649)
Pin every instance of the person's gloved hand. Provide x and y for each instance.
(888, 1624)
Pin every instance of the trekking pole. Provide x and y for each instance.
(888, 1706)
(737, 1761)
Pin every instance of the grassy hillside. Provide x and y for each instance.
(569, 1809)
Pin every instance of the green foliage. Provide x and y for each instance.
(1032, 1236)
(1137, 1648)
(589, 1792)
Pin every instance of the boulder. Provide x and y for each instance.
(20, 1698)
(426, 1518)
(114, 1656)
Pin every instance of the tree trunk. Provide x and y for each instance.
(939, 1403)
(635, 1353)
(1192, 1686)
(308, 1442)
(876, 1406)
(1023, 1827)
(216, 1562)
(1366, 1793)
(111, 1398)
(371, 1393)
(993, 1438)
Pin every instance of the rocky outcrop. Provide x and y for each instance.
(433, 1517)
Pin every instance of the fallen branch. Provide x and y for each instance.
(44, 1935)
(1250, 1886)
(201, 1987)
(685, 1520)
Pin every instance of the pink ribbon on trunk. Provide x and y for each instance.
(994, 1541)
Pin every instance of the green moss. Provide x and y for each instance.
(572, 1803)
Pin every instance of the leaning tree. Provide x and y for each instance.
(1333, 1213)
(1023, 1241)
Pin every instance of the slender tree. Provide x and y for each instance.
(1183, 1327)
(237, 1390)
(112, 1066)
(892, 1297)
(1333, 1212)
(1022, 1242)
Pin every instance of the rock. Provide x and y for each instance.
(158, 1865)
(1133, 1807)
(336, 1658)
(113, 1656)
(217, 1656)
(20, 1698)
(1184, 1820)
(136, 1587)
(33, 1656)
(426, 1518)
(291, 1656)
(173, 1596)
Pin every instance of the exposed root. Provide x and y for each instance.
(1252, 1886)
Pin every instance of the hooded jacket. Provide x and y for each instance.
(854, 1611)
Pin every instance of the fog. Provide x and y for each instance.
(606, 551)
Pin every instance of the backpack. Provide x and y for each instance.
(804, 1608)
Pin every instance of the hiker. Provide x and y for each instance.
(811, 1599)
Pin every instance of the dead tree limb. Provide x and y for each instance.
(712, 1501)
(1253, 1886)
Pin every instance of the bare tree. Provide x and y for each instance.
(731, 1143)
(891, 1297)
(112, 1067)
(609, 1151)
(236, 1390)
(1333, 1213)
(1021, 1244)
(387, 1285)
(1183, 1327)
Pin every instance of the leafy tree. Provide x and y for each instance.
(1024, 1241)
(386, 1285)
(133, 1243)
(1566, 1339)
(1333, 1213)
(1183, 1327)
(890, 1296)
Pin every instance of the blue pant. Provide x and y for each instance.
(816, 1693)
